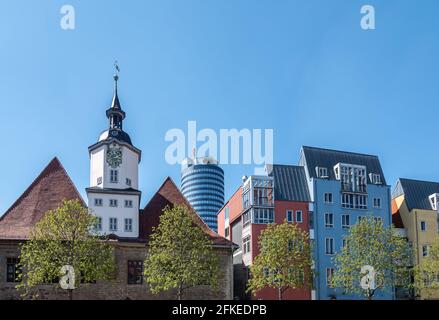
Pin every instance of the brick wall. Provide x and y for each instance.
(119, 289)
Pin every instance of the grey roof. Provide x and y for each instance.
(289, 183)
(318, 157)
(415, 192)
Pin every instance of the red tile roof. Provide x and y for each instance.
(48, 190)
(169, 194)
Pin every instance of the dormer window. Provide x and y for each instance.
(322, 172)
(434, 201)
(375, 178)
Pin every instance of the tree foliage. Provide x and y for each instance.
(180, 254)
(369, 243)
(284, 260)
(427, 272)
(65, 236)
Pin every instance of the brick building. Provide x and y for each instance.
(282, 194)
(114, 198)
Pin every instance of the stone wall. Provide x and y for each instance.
(119, 289)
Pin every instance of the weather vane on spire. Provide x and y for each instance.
(116, 75)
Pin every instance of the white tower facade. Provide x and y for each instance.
(113, 195)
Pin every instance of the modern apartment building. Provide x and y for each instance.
(282, 194)
(202, 183)
(344, 187)
(415, 207)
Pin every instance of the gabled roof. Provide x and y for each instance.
(289, 183)
(169, 195)
(415, 192)
(47, 191)
(318, 157)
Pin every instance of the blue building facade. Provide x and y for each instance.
(202, 183)
(344, 187)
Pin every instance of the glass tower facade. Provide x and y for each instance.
(202, 183)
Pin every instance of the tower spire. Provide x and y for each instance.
(115, 113)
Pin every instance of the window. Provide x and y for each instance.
(128, 203)
(328, 197)
(329, 246)
(290, 217)
(128, 182)
(329, 220)
(329, 276)
(98, 202)
(135, 272)
(113, 224)
(113, 176)
(299, 216)
(246, 200)
(345, 221)
(12, 269)
(246, 244)
(377, 203)
(113, 203)
(378, 219)
(322, 172)
(128, 225)
(99, 180)
(246, 218)
(361, 202)
(227, 232)
(353, 201)
(423, 225)
(425, 250)
(263, 216)
(263, 196)
(376, 178)
(98, 224)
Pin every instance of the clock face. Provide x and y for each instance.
(114, 156)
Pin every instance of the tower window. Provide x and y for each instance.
(98, 202)
(128, 225)
(423, 226)
(113, 224)
(113, 176)
(128, 203)
(113, 203)
(128, 182)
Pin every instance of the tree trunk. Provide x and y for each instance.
(179, 292)
(70, 294)
(279, 292)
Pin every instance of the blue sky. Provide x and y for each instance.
(304, 68)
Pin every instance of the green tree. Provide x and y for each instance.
(284, 260)
(180, 254)
(427, 271)
(65, 236)
(369, 243)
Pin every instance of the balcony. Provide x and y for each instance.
(349, 187)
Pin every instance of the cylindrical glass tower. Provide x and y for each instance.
(202, 183)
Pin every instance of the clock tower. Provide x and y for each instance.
(113, 195)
